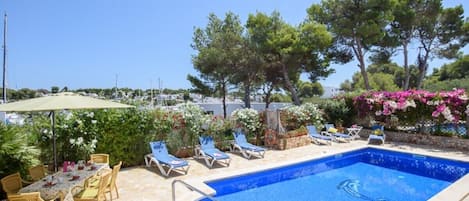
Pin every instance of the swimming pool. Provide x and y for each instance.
(365, 174)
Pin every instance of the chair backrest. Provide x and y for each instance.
(11, 184)
(240, 137)
(158, 148)
(33, 196)
(329, 126)
(206, 142)
(378, 127)
(37, 172)
(103, 183)
(99, 158)
(115, 171)
(312, 129)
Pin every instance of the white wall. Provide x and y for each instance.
(217, 108)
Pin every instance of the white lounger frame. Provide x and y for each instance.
(245, 152)
(321, 141)
(149, 159)
(199, 153)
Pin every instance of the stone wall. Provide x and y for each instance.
(422, 139)
(293, 142)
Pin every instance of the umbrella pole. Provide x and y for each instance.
(54, 146)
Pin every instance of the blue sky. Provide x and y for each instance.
(86, 43)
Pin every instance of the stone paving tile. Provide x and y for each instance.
(142, 184)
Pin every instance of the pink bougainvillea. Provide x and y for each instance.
(445, 105)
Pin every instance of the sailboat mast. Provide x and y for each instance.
(4, 58)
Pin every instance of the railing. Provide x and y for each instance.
(190, 187)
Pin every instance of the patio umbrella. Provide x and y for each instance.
(60, 101)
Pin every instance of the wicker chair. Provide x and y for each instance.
(34, 196)
(99, 158)
(11, 184)
(88, 193)
(37, 172)
(112, 184)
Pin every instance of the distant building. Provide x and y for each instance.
(330, 92)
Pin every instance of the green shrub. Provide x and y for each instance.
(16, 153)
(337, 111)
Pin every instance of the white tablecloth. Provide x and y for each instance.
(64, 183)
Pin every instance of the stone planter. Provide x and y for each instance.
(293, 142)
(184, 152)
(423, 139)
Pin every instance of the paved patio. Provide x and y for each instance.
(141, 183)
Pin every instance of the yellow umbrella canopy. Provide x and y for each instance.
(60, 101)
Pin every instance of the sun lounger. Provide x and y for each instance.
(209, 153)
(162, 158)
(247, 149)
(341, 137)
(377, 134)
(319, 138)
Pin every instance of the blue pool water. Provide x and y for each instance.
(366, 174)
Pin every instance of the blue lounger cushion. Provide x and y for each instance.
(160, 153)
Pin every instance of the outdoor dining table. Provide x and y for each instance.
(63, 182)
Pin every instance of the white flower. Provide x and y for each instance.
(94, 121)
(90, 114)
(378, 113)
(392, 104)
(447, 114)
(410, 103)
(72, 141)
(68, 116)
(79, 141)
(45, 131)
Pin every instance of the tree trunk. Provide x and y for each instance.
(289, 85)
(422, 63)
(247, 95)
(360, 56)
(268, 93)
(406, 67)
(223, 88)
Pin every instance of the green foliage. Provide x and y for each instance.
(219, 53)
(16, 151)
(434, 86)
(293, 117)
(278, 97)
(291, 50)
(308, 89)
(124, 134)
(456, 70)
(337, 111)
(54, 89)
(379, 82)
(356, 26)
(440, 32)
